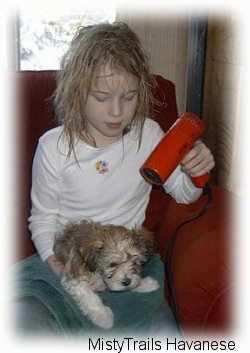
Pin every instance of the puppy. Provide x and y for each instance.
(99, 257)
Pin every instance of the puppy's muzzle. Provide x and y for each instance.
(126, 282)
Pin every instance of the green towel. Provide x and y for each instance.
(132, 311)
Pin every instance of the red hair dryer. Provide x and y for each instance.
(180, 138)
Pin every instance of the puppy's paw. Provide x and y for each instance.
(103, 317)
(148, 284)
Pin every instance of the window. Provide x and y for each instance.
(45, 31)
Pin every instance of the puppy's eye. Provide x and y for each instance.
(135, 258)
(113, 264)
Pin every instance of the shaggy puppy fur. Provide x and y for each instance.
(99, 257)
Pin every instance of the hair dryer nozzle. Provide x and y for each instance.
(177, 141)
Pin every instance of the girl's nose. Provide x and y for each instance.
(115, 108)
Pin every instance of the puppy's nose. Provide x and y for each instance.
(126, 282)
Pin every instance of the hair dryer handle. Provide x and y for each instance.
(202, 180)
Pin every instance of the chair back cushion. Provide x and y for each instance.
(35, 115)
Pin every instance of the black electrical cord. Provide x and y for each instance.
(170, 282)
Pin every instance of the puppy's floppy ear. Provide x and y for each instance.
(90, 251)
(145, 242)
(74, 265)
(62, 246)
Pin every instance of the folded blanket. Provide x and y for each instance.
(132, 311)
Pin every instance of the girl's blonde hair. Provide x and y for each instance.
(113, 44)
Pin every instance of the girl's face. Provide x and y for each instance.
(111, 105)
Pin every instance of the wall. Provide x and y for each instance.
(222, 96)
(165, 39)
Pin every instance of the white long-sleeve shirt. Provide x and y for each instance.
(103, 185)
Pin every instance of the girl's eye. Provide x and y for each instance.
(100, 96)
(129, 96)
(103, 97)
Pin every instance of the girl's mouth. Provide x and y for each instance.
(113, 126)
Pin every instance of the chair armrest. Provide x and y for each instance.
(200, 265)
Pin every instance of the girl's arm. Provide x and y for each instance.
(197, 162)
(56, 266)
(45, 197)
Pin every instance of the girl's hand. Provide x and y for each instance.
(56, 266)
(198, 161)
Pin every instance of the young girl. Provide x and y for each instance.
(88, 167)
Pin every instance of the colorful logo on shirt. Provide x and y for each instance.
(101, 167)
